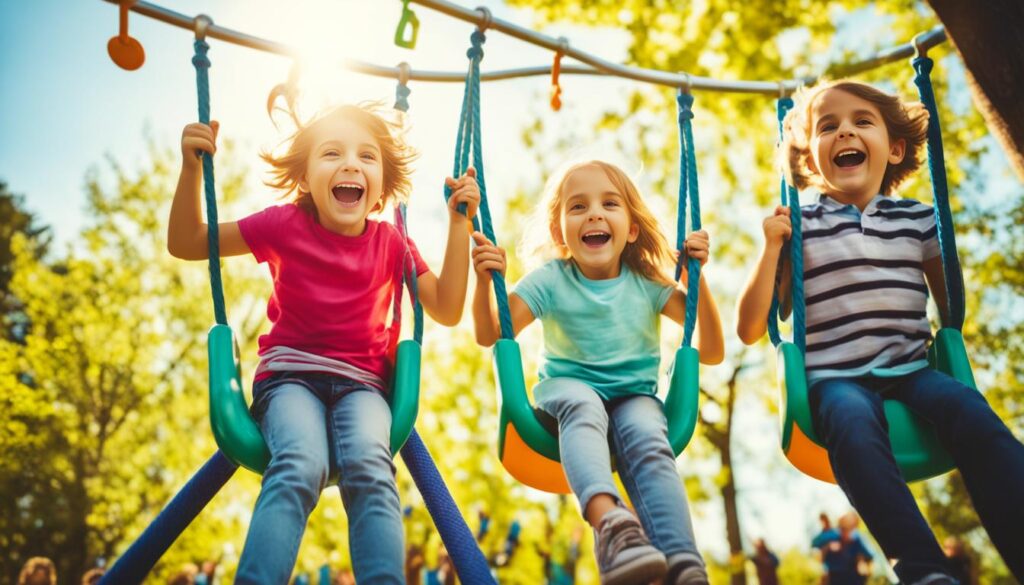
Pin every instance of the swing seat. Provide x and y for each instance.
(914, 442)
(529, 451)
(238, 435)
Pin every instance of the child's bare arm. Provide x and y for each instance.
(709, 340)
(756, 298)
(488, 257)
(444, 296)
(186, 230)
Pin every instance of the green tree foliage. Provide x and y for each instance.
(103, 393)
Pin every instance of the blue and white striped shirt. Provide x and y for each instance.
(864, 286)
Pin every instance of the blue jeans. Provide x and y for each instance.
(850, 419)
(646, 464)
(317, 427)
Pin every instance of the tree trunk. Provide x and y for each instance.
(737, 565)
(989, 38)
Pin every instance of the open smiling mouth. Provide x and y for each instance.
(849, 158)
(348, 194)
(596, 239)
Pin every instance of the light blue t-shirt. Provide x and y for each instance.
(605, 333)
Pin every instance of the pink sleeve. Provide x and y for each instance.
(261, 230)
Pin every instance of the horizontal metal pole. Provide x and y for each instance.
(482, 18)
(597, 65)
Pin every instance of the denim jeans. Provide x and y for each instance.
(848, 416)
(646, 464)
(317, 427)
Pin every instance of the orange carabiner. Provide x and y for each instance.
(126, 52)
(556, 68)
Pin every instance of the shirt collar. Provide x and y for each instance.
(830, 205)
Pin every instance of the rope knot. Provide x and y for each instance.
(401, 94)
(200, 59)
(923, 65)
(685, 101)
(476, 51)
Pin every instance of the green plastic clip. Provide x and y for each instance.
(408, 22)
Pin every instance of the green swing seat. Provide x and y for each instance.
(914, 442)
(240, 438)
(529, 451)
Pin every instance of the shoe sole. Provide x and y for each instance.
(638, 571)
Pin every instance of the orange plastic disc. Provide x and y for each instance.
(126, 52)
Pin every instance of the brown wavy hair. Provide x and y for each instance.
(903, 120)
(396, 155)
(648, 256)
(33, 565)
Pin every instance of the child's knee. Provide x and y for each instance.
(366, 463)
(302, 472)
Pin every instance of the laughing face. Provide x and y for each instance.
(850, 146)
(594, 223)
(344, 174)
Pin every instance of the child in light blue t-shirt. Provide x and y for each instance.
(600, 303)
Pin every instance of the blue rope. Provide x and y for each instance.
(202, 65)
(409, 274)
(470, 142)
(469, 562)
(782, 107)
(138, 560)
(954, 279)
(796, 251)
(688, 188)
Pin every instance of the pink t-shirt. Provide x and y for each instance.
(332, 293)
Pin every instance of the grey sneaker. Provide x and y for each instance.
(686, 569)
(624, 554)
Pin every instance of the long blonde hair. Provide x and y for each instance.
(396, 156)
(906, 121)
(648, 256)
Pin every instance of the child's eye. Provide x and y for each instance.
(863, 122)
(827, 128)
(576, 207)
(369, 156)
(611, 203)
(330, 153)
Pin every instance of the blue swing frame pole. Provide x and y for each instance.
(138, 560)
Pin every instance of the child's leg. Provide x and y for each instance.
(624, 555)
(850, 420)
(295, 430)
(647, 468)
(361, 430)
(990, 459)
(582, 438)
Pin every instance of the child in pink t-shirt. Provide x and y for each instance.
(320, 386)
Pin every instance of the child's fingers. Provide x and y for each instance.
(470, 172)
(781, 210)
(451, 183)
(481, 240)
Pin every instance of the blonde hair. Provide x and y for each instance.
(396, 156)
(906, 121)
(648, 256)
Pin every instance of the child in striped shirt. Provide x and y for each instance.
(870, 259)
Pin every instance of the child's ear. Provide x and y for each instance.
(634, 233)
(556, 234)
(811, 166)
(897, 150)
(304, 185)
